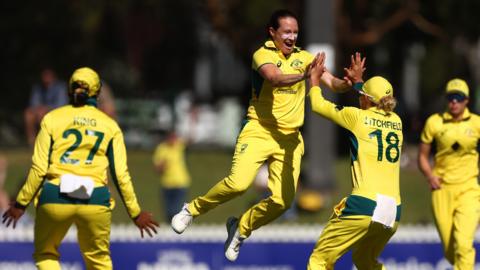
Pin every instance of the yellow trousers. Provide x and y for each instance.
(456, 209)
(358, 233)
(255, 145)
(52, 222)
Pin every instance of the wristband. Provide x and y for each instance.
(358, 86)
(19, 206)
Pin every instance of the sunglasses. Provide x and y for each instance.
(456, 97)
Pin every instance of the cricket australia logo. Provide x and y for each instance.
(243, 147)
(296, 63)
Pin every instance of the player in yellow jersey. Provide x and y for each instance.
(454, 177)
(68, 178)
(365, 220)
(169, 162)
(271, 134)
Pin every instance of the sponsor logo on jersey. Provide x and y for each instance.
(243, 147)
(285, 91)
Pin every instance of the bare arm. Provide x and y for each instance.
(274, 75)
(425, 167)
(335, 84)
(353, 74)
(160, 167)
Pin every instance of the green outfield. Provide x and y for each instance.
(208, 166)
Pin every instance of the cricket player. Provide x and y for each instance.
(68, 178)
(453, 179)
(365, 220)
(271, 134)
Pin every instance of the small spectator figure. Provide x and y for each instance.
(169, 162)
(106, 101)
(49, 94)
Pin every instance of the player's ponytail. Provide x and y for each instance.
(387, 104)
(78, 97)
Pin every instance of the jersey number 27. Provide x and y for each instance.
(64, 159)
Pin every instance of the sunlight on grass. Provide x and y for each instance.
(208, 167)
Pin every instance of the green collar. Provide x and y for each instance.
(448, 117)
(92, 101)
(269, 44)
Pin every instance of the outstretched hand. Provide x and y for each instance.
(145, 222)
(308, 69)
(354, 73)
(317, 68)
(13, 214)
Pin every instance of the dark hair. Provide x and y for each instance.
(276, 16)
(78, 95)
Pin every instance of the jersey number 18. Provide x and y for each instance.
(392, 144)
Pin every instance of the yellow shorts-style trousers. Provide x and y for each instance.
(52, 222)
(256, 144)
(456, 209)
(358, 233)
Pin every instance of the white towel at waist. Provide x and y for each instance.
(79, 187)
(386, 210)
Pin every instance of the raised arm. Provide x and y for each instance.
(345, 117)
(353, 74)
(337, 85)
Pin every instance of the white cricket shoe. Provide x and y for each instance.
(182, 220)
(234, 240)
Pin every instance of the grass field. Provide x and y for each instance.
(208, 166)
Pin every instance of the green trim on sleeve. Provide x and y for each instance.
(353, 143)
(358, 86)
(111, 165)
(257, 83)
(50, 150)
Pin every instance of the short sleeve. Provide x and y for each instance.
(428, 132)
(159, 155)
(262, 57)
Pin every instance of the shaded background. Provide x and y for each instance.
(153, 53)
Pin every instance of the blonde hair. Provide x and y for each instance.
(387, 104)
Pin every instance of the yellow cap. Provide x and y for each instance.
(458, 86)
(86, 78)
(376, 88)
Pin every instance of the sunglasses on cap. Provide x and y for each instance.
(456, 96)
(359, 91)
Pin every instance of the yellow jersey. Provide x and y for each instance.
(278, 107)
(175, 173)
(456, 157)
(375, 140)
(81, 141)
